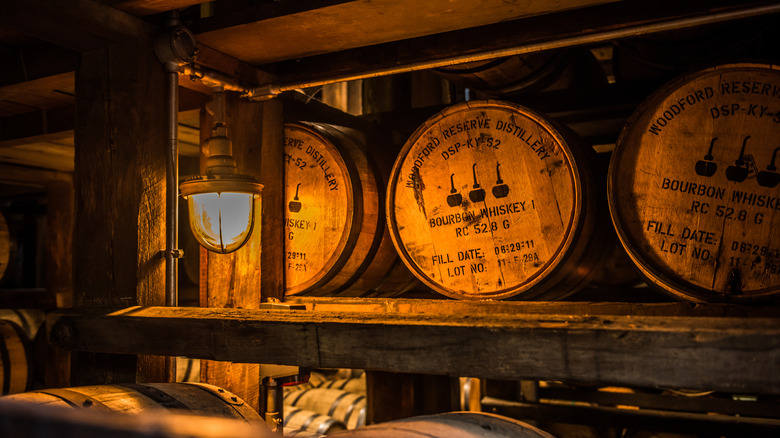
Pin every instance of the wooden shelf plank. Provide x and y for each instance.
(562, 29)
(706, 353)
(258, 35)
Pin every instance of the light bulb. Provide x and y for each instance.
(222, 221)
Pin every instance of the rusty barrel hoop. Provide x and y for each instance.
(528, 236)
(336, 237)
(693, 185)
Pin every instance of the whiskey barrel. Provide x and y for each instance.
(30, 321)
(491, 200)
(16, 372)
(290, 433)
(693, 185)
(353, 384)
(344, 406)
(302, 419)
(449, 425)
(194, 398)
(668, 54)
(336, 236)
(529, 72)
(21, 419)
(617, 271)
(187, 369)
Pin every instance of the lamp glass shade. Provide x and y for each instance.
(221, 222)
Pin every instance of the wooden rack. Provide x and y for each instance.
(671, 344)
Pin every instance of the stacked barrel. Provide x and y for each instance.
(336, 238)
(325, 404)
(693, 185)
(490, 199)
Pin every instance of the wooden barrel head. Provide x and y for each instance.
(693, 185)
(486, 201)
(320, 214)
(337, 240)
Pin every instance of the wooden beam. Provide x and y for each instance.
(120, 146)
(701, 424)
(78, 24)
(665, 309)
(141, 8)
(258, 37)
(37, 177)
(540, 30)
(44, 93)
(46, 154)
(722, 354)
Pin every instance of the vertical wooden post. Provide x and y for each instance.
(59, 269)
(272, 178)
(392, 396)
(234, 280)
(120, 140)
(59, 238)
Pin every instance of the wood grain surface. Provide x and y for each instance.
(694, 190)
(489, 200)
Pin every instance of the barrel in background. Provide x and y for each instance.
(50, 421)
(16, 371)
(296, 419)
(346, 407)
(131, 398)
(449, 425)
(529, 72)
(694, 189)
(491, 200)
(336, 236)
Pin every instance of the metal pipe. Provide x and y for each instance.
(268, 91)
(213, 78)
(172, 252)
(174, 47)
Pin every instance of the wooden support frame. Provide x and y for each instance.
(707, 353)
(700, 424)
(255, 272)
(120, 147)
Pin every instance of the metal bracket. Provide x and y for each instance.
(275, 304)
(172, 253)
(273, 396)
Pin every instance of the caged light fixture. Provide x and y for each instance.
(221, 203)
